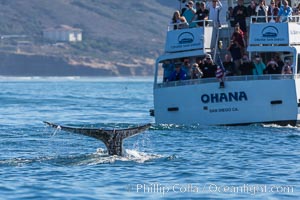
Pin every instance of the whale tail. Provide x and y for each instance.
(113, 139)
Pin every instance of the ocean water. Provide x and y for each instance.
(164, 162)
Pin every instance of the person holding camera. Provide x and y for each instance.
(196, 72)
(189, 13)
(287, 69)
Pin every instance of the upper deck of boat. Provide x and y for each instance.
(263, 37)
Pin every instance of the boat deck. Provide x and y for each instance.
(228, 79)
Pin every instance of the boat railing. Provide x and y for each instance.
(228, 78)
(208, 23)
(267, 19)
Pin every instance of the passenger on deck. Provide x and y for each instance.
(229, 16)
(168, 67)
(214, 12)
(228, 65)
(278, 60)
(259, 66)
(179, 21)
(201, 13)
(196, 72)
(235, 50)
(214, 15)
(287, 69)
(209, 68)
(278, 3)
(187, 68)
(240, 14)
(285, 12)
(189, 14)
(262, 11)
(200, 62)
(238, 35)
(247, 66)
(272, 67)
(296, 10)
(272, 11)
(178, 73)
(251, 10)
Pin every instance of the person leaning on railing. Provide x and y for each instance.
(189, 14)
(179, 21)
(272, 11)
(262, 11)
(285, 12)
(201, 13)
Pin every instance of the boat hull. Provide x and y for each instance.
(239, 103)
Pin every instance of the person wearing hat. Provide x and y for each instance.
(209, 68)
(272, 67)
(178, 73)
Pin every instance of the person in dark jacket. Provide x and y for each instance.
(235, 50)
(239, 14)
(228, 65)
(272, 68)
(209, 68)
(247, 66)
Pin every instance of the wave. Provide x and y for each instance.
(99, 157)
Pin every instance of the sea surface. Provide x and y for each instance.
(164, 162)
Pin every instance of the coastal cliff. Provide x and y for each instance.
(118, 38)
(42, 65)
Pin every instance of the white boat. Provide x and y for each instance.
(269, 98)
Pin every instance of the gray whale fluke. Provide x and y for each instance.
(113, 139)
